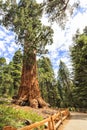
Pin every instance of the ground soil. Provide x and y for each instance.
(44, 112)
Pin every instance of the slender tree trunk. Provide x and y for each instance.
(29, 93)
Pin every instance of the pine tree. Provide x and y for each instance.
(47, 81)
(2, 65)
(16, 70)
(64, 85)
(6, 80)
(79, 60)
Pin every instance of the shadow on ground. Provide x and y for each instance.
(80, 116)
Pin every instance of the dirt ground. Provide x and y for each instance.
(77, 121)
(44, 112)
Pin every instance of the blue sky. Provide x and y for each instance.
(62, 39)
(7, 44)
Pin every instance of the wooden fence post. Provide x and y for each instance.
(53, 124)
(49, 124)
(61, 117)
(9, 128)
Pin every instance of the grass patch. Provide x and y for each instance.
(16, 118)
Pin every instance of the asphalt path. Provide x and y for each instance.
(77, 121)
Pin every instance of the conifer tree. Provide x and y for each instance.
(24, 20)
(47, 81)
(17, 70)
(6, 80)
(64, 85)
(79, 62)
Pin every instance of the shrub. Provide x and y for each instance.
(16, 118)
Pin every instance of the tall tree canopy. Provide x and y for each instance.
(16, 70)
(79, 60)
(64, 85)
(5, 77)
(2, 77)
(47, 81)
(10, 74)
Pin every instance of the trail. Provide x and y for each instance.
(78, 121)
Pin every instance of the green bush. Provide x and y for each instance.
(72, 109)
(16, 118)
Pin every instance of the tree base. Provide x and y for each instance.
(34, 103)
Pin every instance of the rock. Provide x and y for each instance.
(24, 103)
(46, 125)
(15, 97)
(27, 122)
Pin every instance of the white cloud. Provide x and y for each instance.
(2, 47)
(8, 60)
(79, 22)
(83, 3)
(7, 44)
(39, 1)
(2, 34)
(9, 38)
(11, 49)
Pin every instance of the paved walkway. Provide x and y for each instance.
(78, 121)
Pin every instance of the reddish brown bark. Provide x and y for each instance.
(29, 89)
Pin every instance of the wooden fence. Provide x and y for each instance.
(52, 122)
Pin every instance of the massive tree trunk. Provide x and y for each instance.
(29, 92)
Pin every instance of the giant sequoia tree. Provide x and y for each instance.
(24, 20)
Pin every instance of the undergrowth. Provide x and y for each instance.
(16, 118)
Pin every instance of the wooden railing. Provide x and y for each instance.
(52, 122)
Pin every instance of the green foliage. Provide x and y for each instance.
(47, 81)
(5, 77)
(2, 61)
(10, 74)
(24, 19)
(79, 60)
(16, 70)
(16, 118)
(64, 85)
(57, 10)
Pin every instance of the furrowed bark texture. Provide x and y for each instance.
(29, 93)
